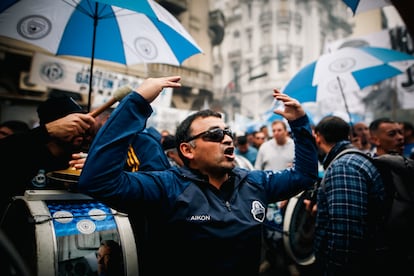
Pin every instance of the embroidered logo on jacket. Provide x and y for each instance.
(199, 218)
(258, 211)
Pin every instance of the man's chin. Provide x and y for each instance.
(230, 166)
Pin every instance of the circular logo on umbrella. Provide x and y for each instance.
(34, 27)
(342, 65)
(333, 85)
(63, 216)
(86, 226)
(97, 214)
(146, 48)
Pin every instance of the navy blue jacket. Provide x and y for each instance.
(197, 229)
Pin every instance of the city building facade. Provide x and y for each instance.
(19, 97)
(265, 43)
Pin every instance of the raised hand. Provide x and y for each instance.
(292, 108)
(152, 87)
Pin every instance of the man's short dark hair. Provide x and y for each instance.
(333, 129)
(169, 142)
(374, 125)
(241, 140)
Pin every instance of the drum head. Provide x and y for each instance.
(63, 179)
(299, 227)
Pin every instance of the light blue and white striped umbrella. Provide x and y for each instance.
(347, 69)
(98, 30)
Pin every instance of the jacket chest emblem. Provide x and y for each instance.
(258, 211)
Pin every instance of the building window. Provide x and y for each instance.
(283, 57)
(249, 39)
(298, 22)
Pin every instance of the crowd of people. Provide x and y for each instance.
(193, 209)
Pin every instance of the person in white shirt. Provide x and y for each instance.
(278, 152)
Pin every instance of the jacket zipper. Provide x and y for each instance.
(228, 206)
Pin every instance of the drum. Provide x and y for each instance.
(298, 229)
(57, 232)
(66, 179)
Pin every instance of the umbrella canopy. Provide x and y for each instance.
(358, 6)
(348, 69)
(91, 29)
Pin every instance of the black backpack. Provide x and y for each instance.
(397, 173)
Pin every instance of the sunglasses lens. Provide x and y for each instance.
(229, 133)
(214, 135)
(217, 135)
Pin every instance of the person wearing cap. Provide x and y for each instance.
(169, 146)
(47, 147)
(206, 216)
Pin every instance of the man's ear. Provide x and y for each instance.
(187, 150)
(317, 137)
(374, 140)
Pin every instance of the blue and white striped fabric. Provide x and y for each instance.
(149, 34)
(348, 69)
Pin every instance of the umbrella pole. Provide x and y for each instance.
(346, 104)
(95, 24)
(394, 100)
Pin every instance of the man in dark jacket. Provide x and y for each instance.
(206, 216)
(28, 156)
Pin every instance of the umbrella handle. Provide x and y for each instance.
(118, 95)
(346, 104)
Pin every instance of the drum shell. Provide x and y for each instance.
(298, 229)
(52, 244)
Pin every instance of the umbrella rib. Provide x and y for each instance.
(101, 9)
(76, 5)
(91, 11)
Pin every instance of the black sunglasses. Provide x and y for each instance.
(213, 135)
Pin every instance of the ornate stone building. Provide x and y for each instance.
(265, 42)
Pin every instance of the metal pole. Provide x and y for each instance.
(346, 104)
(95, 24)
(394, 99)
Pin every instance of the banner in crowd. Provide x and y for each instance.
(67, 75)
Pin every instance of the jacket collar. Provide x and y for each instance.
(195, 175)
(340, 146)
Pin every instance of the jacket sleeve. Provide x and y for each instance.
(289, 182)
(103, 174)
